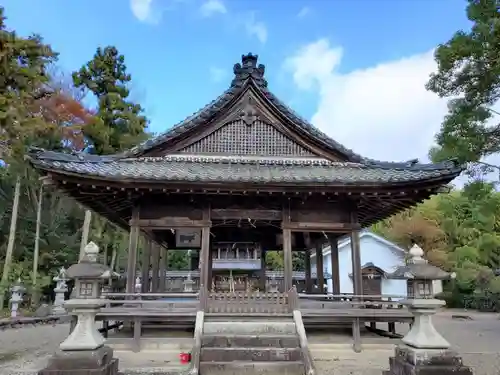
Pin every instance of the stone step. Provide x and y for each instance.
(153, 371)
(250, 341)
(252, 368)
(249, 328)
(248, 318)
(250, 354)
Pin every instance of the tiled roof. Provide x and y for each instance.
(249, 73)
(192, 168)
(423, 271)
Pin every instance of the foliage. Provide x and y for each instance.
(41, 106)
(469, 73)
(459, 231)
(119, 123)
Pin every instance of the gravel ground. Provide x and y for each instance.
(477, 340)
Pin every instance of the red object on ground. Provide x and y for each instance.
(185, 358)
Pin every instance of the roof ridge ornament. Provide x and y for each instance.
(249, 69)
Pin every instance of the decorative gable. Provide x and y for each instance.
(247, 129)
(247, 136)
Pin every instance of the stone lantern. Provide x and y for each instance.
(59, 291)
(84, 348)
(16, 297)
(138, 284)
(423, 349)
(188, 284)
(273, 284)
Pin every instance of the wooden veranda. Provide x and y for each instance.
(243, 175)
(179, 310)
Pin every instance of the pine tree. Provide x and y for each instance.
(469, 73)
(120, 123)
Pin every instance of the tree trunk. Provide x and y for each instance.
(36, 253)
(10, 243)
(85, 232)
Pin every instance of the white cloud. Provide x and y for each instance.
(212, 7)
(144, 12)
(217, 74)
(382, 112)
(256, 28)
(304, 12)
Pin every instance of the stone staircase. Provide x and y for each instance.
(260, 346)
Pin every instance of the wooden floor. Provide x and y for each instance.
(329, 313)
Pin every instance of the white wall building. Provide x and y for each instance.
(379, 258)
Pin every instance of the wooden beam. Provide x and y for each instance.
(172, 223)
(237, 214)
(320, 227)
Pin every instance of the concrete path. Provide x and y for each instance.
(25, 350)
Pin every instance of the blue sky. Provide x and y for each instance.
(345, 64)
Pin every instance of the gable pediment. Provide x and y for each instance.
(248, 127)
(247, 119)
(247, 130)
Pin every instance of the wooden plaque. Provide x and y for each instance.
(187, 238)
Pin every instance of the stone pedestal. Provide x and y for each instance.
(422, 334)
(94, 362)
(413, 361)
(85, 335)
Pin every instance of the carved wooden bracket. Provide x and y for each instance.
(249, 113)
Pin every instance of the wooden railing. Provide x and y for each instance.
(198, 334)
(166, 301)
(248, 303)
(325, 301)
(293, 299)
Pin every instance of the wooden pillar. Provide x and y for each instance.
(146, 262)
(210, 269)
(262, 273)
(132, 250)
(163, 269)
(287, 253)
(308, 271)
(307, 263)
(155, 266)
(320, 276)
(356, 263)
(205, 252)
(334, 256)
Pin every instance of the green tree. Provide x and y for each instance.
(23, 80)
(469, 72)
(119, 123)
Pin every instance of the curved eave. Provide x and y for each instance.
(286, 178)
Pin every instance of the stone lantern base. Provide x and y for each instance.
(412, 361)
(82, 362)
